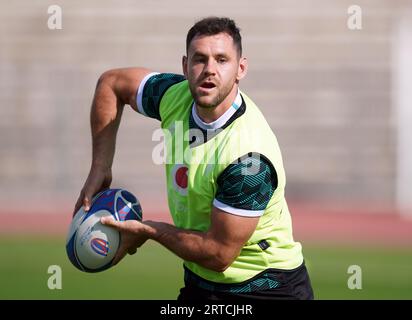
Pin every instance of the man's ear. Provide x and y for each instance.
(242, 70)
(184, 66)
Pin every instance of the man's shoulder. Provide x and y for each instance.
(152, 90)
(176, 99)
(178, 89)
(159, 83)
(158, 90)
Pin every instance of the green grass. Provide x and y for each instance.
(386, 273)
(152, 273)
(155, 273)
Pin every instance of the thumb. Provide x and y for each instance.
(86, 203)
(111, 222)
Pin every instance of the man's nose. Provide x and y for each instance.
(210, 67)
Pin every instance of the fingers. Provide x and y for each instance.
(119, 256)
(76, 207)
(90, 190)
(121, 253)
(79, 203)
(132, 251)
(111, 222)
(86, 202)
(126, 247)
(99, 179)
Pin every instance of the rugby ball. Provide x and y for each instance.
(92, 246)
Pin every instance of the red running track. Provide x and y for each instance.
(321, 225)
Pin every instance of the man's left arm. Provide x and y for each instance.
(214, 249)
(244, 190)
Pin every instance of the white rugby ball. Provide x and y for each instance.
(92, 246)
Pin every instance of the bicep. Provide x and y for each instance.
(125, 83)
(244, 190)
(231, 231)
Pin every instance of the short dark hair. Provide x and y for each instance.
(213, 25)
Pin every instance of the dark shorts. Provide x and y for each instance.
(272, 284)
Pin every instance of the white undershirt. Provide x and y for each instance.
(220, 122)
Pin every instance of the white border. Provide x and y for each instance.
(139, 94)
(237, 212)
(402, 100)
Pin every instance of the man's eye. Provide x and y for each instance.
(199, 60)
(222, 60)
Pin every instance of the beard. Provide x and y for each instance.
(213, 99)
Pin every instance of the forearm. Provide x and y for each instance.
(195, 246)
(105, 118)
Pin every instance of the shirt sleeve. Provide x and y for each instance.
(246, 186)
(151, 90)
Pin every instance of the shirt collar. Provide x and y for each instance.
(220, 122)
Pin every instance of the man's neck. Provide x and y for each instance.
(209, 115)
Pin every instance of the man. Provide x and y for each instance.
(224, 172)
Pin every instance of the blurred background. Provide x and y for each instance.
(337, 92)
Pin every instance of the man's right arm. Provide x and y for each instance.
(114, 89)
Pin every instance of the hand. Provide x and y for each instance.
(133, 235)
(98, 180)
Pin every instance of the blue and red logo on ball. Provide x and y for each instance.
(100, 246)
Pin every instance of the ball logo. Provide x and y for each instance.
(100, 246)
(124, 211)
(180, 178)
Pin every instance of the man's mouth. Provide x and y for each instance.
(207, 85)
